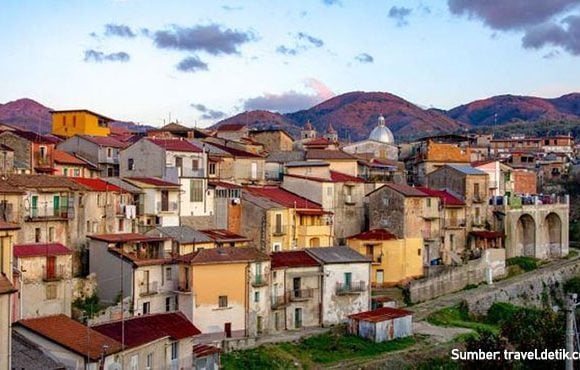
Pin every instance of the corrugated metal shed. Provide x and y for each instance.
(382, 324)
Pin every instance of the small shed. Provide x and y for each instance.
(206, 357)
(382, 324)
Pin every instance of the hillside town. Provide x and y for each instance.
(169, 248)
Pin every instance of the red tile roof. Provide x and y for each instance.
(153, 181)
(281, 196)
(231, 127)
(235, 152)
(41, 249)
(328, 154)
(334, 177)
(403, 189)
(223, 184)
(66, 158)
(374, 234)
(224, 255)
(223, 235)
(447, 198)
(175, 145)
(380, 314)
(203, 350)
(292, 259)
(72, 335)
(148, 328)
(107, 141)
(317, 141)
(487, 234)
(97, 184)
(126, 237)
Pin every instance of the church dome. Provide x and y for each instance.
(382, 133)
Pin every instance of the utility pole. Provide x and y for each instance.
(570, 312)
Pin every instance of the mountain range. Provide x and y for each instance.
(355, 114)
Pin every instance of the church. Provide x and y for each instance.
(380, 144)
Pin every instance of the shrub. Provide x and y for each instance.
(500, 312)
(525, 263)
(572, 285)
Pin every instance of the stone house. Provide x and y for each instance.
(501, 179)
(295, 291)
(6, 160)
(346, 287)
(101, 151)
(274, 140)
(68, 165)
(184, 239)
(431, 155)
(237, 165)
(33, 153)
(232, 131)
(7, 290)
(337, 159)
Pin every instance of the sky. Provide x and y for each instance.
(197, 62)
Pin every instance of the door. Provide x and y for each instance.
(165, 200)
(296, 283)
(298, 318)
(259, 324)
(34, 207)
(254, 174)
(50, 267)
(278, 224)
(228, 329)
(56, 205)
(348, 279)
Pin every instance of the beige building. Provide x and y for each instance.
(7, 236)
(274, 140)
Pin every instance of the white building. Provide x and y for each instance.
(381, 143)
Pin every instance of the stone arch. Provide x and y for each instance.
(314, 242)
(526, 236)
(553, 225)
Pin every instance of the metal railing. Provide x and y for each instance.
(50, 212)
(259, 281)
(55, 274)
(300, 294)
(278, 301)
(169, 207)
(351, 288)
(148, 288)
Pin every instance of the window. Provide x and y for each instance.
(195, 164)
(51, 234)
(110, 172)
(120, 224)
(168, 304)
(476, 190)
(256, 297)
(51, 291)
(77, 172)
(88, 226)
(168, 273)
(109, 152)
(130, 164)
(254, 171)
(428, 202)
(196, 191)
(178, 162)
(212, 168)
(419, 252)
(65, 172)
(149, 361)
(37, 235)
(223, 301)
(278, 223)
(74, 121)
(277, 247)
(135, 362)
(348, 279)
(42, 151)
(146, 308)
(174, 350)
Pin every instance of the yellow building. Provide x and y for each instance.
(394, 260)
(7, 236)
(67, 123)
(224, 291)
(278, 220)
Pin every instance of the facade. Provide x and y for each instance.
(295, 291)
(67, 123)
(380, 144)
(501, 179)
(32, 153)
(46, 280)
(430, 155)
(274, 140)
(393, 260)
(99, 151)
(7, 290)
(184, 239)
(237, 163)
(278, 220)
(381, 324)
(338, 160)
(67, 165)
(346, 283)
(158, 202)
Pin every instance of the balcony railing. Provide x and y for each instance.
(279, 301)
(351, 288)
(279, 229)
(453, 223)
(517, 201)
(259, 281)
(42, 213)
(184, 286)
(375, 259)
(55, 274)
(148, 288)
(428, 234)
(313, 230)
(300, 294)
(168, 207)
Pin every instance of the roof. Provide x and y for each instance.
(28, 355)
(224, 184)
(153, 181)
(447, 199)
(222, 235)
(203, 350)
(380, 314)
(307, 164)
(334, 177)
(175, 145)
(67, 158)
(173, 127)
(483, 162)
(125, 237)
(255, 131)
(328, 154)
(34, 137)
(224, 255)
(231, 127)
(148, 328)
(466, 169)
(292, 259)
(125, 185)
(6, 148)
(281, 196)
(403, 189)
(8, 226)
(317, 141)
(341, 254)
(72, 335)
(374, 234)
(96, 184)
(81, 110)
(487, 234)
(236, 152)
(183, 234)
(107, 141)
(40, 249)
(6, 286)
(44, 182)
(286, 156)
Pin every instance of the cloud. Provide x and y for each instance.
(303, 41)
(191, 64)
(99, 57)
(566, 35)
(120, 30)
(211, 39)
(291, 101)
(331, 2)
(552, 54)
(400, 14)
(230, 8)
(208, 113)
(286, 50)
(510, 14)
(364, 58)
(310, 39)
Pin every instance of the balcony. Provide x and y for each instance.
(61, 213)
(259, 281)
(190, 172)
(455, 223)
(518, 202)
(279, 302)
(478, 198)
(313, 230)
(376, 260)
(298, 295)
(351, 288)
(166, 207)
(42, 160)
(428, 235)
(279, 230)
(148, 288)
(54, 274)
(184, 287)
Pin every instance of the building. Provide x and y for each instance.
(338, 160)
(381, 324)
(296, 293)
(99, 151)
(46, 280)
(224, 292)
(525, 182)
(67, 165)
(184, 239)
(277, 220)
(236, 163)
(33, 153)
(345, 285)
(380, 143)
(71, 343)
(6, 160)
(409, 214)
(227, 205)
(393, 260)
(274, 140)
(7, 290)
(156, 341)
(27, 355)
(67, 123)
(501, 179)
(137, 268)
(232, 131)
(158, 202)
(225, 238)
(430, 155)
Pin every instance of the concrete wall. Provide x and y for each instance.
(452, 279)
(336, 308)
(82, 147)
(5, 330)
(107, 269)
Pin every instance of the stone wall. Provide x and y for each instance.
(452, 279)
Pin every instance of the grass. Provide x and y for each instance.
(457, 316)
(571, 254)
(525, 263)
(321, 349)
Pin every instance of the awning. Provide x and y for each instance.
(487, 234)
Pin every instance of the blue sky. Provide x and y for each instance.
(199, 61)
